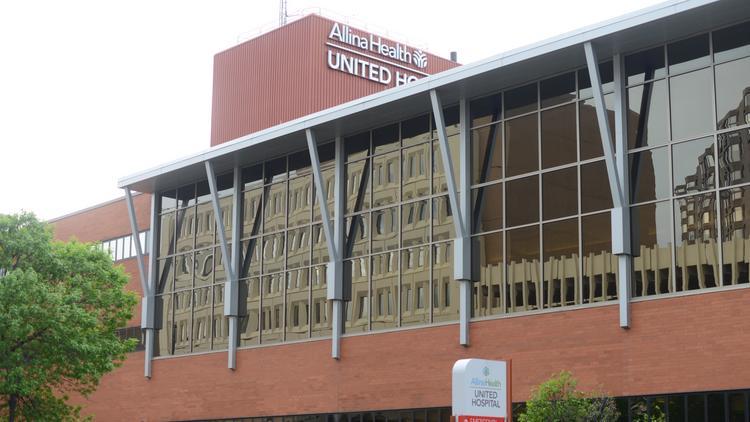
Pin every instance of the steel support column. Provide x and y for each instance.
(148, 280)
(460, 205)
(231, 288)
(617, 172)
(231, 301)
(334, 235)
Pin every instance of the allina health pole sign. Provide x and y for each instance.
(481, 390)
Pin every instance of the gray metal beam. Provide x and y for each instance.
(148, 302)
(621, 245)
(334, 235)
(136, 239)
(460, 205)
(604, 129)
(231, 285)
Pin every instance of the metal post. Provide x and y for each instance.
(335, 267)
(617, 172)
(460, 206)
(621, 218)
(230, 285)
(147, 298)
(231, 297)
(149, 301)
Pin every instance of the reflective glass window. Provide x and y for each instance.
(386, 179)
(649, 175)
(487, 270)
(733, 168)
(524, 208)
(385, 139)
(184, 266)
(415, 277)
(486, 110)
(186, 196)
(358, 186)
(652, 240)
(321, 315)
(444, 289)
(300, 200)
(203, 321)
(487, 208)
(520, 100)
(735, 212)
(560, 193)
(251, 212)
(732, 42)
(691, 99)
(647, 115)
(385, 229)
(199, 221)
(252, 177)
(559, 139)
(357, 239)
(275, 170)
(272, 300)
(168, 201)
(487, 153)
(165, 271)
(557, 90)
(599, 265)
(606, 74)
(357, 146)
(251, 257)
(732, 87)
(164, 338)
(415, 223)
(319, 244)
(299, 164)
(329, 184)
(439, 183)
(357, 314)
(523, 272)
(591, 140)
(415, 130)
(442, 219)
(274, 209)
(560, 258)
(384, 294)
(693, 166)
(688, 54)
(204, 266)
(645, 65)
(182, 321)
(298, 247)
(696, 250)
(521, 145)
(595, 192)
(297, 304)
(203, 192)
(273, 253)
(415, 171)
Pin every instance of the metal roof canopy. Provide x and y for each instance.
(634, 31)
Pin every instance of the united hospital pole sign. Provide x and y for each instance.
(481, 390)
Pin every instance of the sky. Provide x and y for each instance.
(95, 90)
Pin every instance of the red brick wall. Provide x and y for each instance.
(689, 343)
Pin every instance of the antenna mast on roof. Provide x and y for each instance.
(282, 12)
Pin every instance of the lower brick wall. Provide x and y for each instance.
(680, 344)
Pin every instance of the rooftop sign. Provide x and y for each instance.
(370, 57)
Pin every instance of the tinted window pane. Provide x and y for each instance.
(520, 100)
(166, 275)
(166, 234)
(357, 186)
(521, 145)
(272, 319)
(595, 193)
(204, 267)
(591, 141)
(649, 175)
(606, 74)
(321, 313)
(298, 247)
(275, 208)
(385, 230)
(415, 172)
(487, 208)
(559, 136)
(676, 407)
(385, 139)
(252, 177)
(695, 241)
(415, 277)
(696, 407)
(415, 223)
(386, 179)
(691, 100)
(251, 208)
(737, 410)
(557, 90)
(523, 265)
(524, 208)
(442, 219)
(647, 115)
(163, 340)
(186, 196)
(732, 42)
(273, 253)
(560, 256)
(385, 269)
(485, 110)
(299, 164)
(487, 153)
(300, 200)
(415, 130)
(599, 265)
(693, 166)
(168, 201)
(275, 170)
(251, 257)
(735, 211)
(356, 235)
(249, 311)
(560, 193)
(439, 182)
(202, 321)
(357, 146)
(487, 260)
(297, 304)
(688, 54)
(733, 93)
(652, 240)
(645, 65)
(444, 296)
(184, 265)
(451, 116)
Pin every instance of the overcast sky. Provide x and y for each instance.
(91, 91)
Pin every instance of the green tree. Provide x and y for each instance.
(558, 399)
(60, 306)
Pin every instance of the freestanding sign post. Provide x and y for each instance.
(481, 391)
